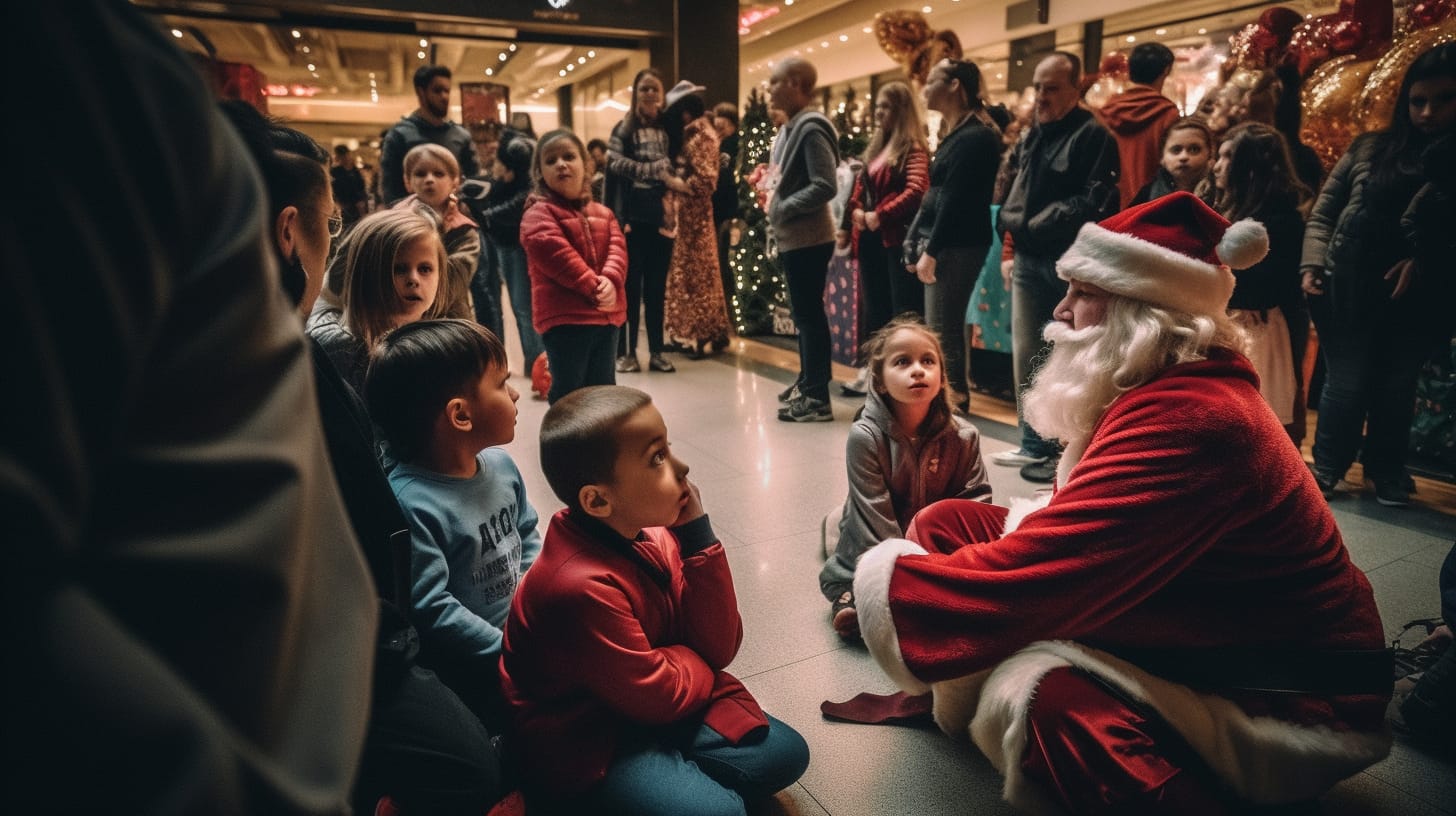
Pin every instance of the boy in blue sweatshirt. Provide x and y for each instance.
(439, 391)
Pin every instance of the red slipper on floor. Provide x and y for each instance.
(881, 709)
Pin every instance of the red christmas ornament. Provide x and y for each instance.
(1429, 12)
(1115, 62)
(1280, 22)
(540, 376)
(1347, 36)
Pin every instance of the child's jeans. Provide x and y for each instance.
(705, 777)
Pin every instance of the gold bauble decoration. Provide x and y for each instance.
(1376, 104)
(1328, 101)
(901, 33)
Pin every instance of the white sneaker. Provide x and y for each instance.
(1016, 458)
(860, 386)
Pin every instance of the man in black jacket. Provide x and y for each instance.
(429, 123)
(1066, 175)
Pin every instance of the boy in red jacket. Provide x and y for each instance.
(617, 640)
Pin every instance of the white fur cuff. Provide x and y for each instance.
(872, 601)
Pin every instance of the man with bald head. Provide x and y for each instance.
(1066, 175)
(801, 164)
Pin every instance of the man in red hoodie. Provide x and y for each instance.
(1139, 116)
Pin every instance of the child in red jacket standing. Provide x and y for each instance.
(618, 637)
(577, 260)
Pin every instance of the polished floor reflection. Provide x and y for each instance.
(766, 485)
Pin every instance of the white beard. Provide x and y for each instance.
(1073, 387)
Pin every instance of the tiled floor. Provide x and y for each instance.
(766, 485)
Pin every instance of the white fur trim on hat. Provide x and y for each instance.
(1244, 244)
(872, 601)
(1143, 270)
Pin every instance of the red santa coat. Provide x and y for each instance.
(600, 644)
(1189, 521)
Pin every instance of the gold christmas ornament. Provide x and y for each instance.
(1376, 103)
(1328, 102)
(900, 33)
(909, 40)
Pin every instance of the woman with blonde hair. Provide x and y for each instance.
(884, 200)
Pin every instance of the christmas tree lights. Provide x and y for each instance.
(758, 281)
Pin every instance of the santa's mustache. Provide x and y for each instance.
(1057, 332)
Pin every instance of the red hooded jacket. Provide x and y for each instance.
(1138, 117)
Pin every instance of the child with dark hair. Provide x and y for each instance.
(1187, 158)
(618, 638)
(439, 392)
(577, 259)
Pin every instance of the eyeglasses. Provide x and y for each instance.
(336, 225)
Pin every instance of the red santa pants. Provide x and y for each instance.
(1085, 747)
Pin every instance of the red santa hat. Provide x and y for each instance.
(1173, 252)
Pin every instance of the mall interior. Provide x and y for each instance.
(342, 73)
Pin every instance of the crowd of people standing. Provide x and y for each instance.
(362, 571)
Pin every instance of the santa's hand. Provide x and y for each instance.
(872, 220)
(925, 269)
(858, 219)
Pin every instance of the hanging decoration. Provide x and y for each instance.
(909, 40)
(1354, 69)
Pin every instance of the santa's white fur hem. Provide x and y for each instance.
(1142, 270)
(872, 602)
(1264, 760)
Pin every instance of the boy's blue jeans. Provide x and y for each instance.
(704, 777)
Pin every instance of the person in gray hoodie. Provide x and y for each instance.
(905, 451)
(804, 158)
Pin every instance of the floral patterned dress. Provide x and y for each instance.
(695, 312)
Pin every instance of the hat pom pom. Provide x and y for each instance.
(1244, 244)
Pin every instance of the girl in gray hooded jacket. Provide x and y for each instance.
(905, 451)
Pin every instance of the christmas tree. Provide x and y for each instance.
(849, 121)
(758, 281)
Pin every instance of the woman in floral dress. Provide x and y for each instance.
(695, 317)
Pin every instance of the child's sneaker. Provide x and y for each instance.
(1016, 458)
(806, 409)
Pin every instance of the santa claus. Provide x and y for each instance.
(1179, 628)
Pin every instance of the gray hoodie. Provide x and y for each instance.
(892, 477)
(806, 155)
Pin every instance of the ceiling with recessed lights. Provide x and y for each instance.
(363, 77)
